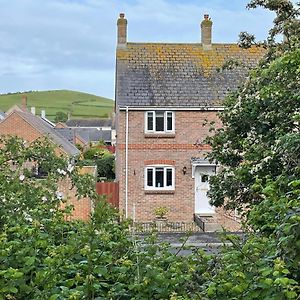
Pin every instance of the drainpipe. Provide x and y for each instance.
(126, 163)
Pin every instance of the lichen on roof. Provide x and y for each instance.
(161, 74)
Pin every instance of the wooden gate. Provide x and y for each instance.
(111, 190)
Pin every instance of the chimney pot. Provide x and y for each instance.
(122, 31)
(206, 29)
(43, 113)
(33, 110)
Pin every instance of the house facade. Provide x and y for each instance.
(167, 95)
(18, 121)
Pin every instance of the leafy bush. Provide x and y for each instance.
(43, 256)
(103, 159)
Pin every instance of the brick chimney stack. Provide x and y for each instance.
(206, 26)
(24, 102)
(122, 31)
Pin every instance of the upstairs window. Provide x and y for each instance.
(159, 178)
(159, 122)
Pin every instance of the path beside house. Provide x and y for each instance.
(209, 242)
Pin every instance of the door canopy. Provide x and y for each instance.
(196, 161)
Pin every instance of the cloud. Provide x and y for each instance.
(70, 44)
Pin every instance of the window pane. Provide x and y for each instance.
(149, 177)
(169, 121)
(159, 177)
(159, 121)
(150, 121)
(169, 177)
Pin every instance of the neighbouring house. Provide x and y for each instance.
(72, 135)
(167, 94)
(94, 130)
(20, 122)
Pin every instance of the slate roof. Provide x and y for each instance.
(86, 134)
(89, 123)
(180, 75)
(94, 135)
(44, 128)
(67, 133)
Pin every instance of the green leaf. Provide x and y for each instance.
(295, 183)
(17, 275)
(291, 295)
(12, 289)
(30, 261)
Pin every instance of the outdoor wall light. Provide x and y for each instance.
(184, 170)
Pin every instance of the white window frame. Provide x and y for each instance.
(165, 168)
(165, 121)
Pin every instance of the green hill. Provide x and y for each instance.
(77, 104)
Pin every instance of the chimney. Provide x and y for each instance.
(24, 102)
(43, 113)
(206, 26)
(32, 110)
(122, 31)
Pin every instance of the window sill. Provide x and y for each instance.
(159, 191)
(159, 135)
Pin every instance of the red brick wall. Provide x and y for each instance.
(82, 206)
(176, 150)
(15, 125)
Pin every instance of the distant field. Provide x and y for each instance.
(77, 104)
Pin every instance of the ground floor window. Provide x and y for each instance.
(159, 178)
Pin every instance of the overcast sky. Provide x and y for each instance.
(70, 44)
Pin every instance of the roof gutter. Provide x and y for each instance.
(173, 108)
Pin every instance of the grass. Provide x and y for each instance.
(77, 104)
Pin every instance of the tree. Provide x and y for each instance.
(60, 117)
(260, 137)
(259, 151)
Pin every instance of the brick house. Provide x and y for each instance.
(165, 94)
(18, 121)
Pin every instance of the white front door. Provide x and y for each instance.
(202, 174)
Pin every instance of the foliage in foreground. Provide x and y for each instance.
(43, 256)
